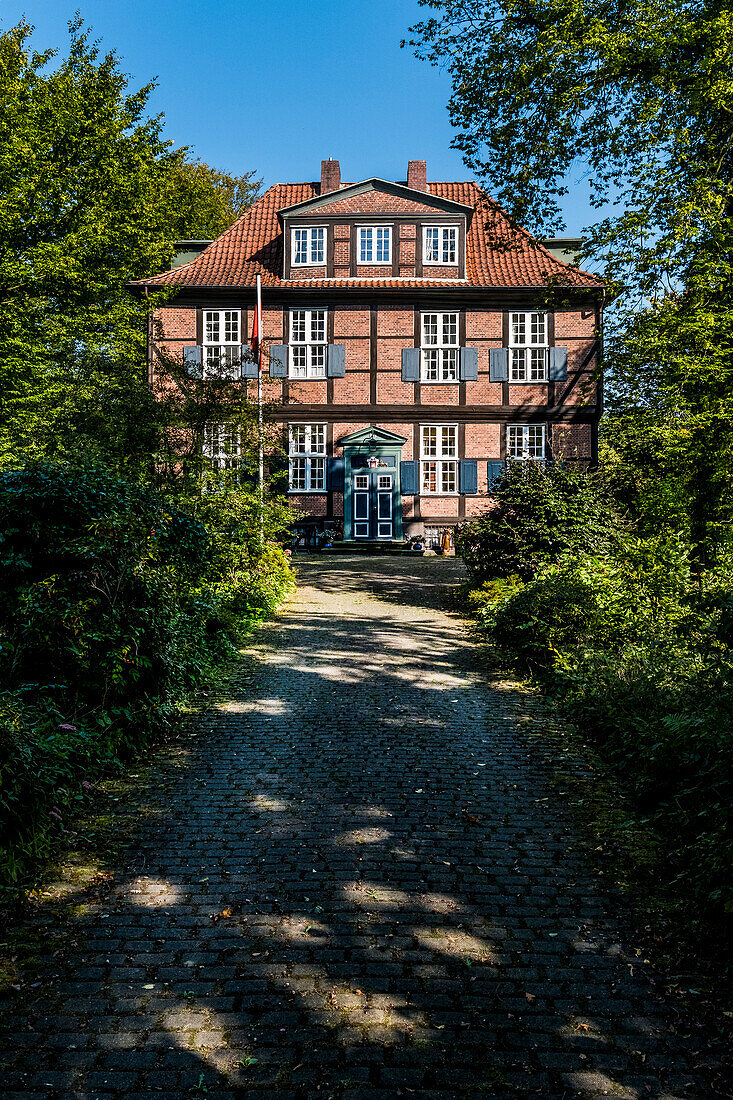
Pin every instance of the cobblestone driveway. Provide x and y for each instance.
(401, 908)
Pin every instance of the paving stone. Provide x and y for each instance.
(354, 879)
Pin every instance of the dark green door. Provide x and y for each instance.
(372, 501)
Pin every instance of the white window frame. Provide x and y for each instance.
(447, 245)
(439, 460)
(439, 347)
(368, 242)
(521, 442)
(222, 341)
(314, 238)
(222, 445)
(528, 346)
(306, 356)
(307, 461)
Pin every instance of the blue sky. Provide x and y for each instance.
(278, 85)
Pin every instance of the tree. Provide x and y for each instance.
(213, 199)
(541, 514)
(639, 95)
(91, 196)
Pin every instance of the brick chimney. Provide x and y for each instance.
(330, 176)
(417, 175)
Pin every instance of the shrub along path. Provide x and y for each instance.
(360, 883)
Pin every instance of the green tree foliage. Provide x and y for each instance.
(648, 671)
(540, 514)
(639, 98)
(91, 196)
(639, 93)
(213, 199)
(113, 603)
(131, 554)
(608, 620)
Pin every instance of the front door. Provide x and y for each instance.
(372, 493)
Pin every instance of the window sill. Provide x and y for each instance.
(528, 381)
(440, 381)
(308, 492)
(310, 378)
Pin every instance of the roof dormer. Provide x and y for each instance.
(374, 229)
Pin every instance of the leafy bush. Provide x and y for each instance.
(594, 603)
(246, 565)
(646, 666)
(488, 594)
(113, 603)
(541, 513)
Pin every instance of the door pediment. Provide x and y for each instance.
(372, 436)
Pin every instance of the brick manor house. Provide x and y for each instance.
(407, 340)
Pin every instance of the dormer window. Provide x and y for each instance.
(309, 246)
(375, 244)
(440, 244)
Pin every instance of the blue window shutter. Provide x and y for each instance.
(336, 361)
(278, 360)
(558, 364)
(409, 477)
(469, 359)
(192, 360)
(499, 364)
(336, 475)
(469, 475)
(249, 368)
(469, 364)
(494, 470)
(411, 364)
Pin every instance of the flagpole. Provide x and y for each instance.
(260, 424)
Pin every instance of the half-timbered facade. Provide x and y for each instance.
(408, 340)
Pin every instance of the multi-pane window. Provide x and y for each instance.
(525, 441)
(440, 244)
(223, 446)
(528, 346)
(375, 244)
(439, 353)
(309, 246)
(307, 455)
(439, 458)
(308, 343)
(222, 344)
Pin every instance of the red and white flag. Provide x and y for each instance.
(256, 341)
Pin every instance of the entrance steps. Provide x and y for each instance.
(371, 546)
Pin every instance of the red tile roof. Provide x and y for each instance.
(497, 255)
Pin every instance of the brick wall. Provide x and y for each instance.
(175, 326)
(571, 441)
(313, 504)
(351, 321)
